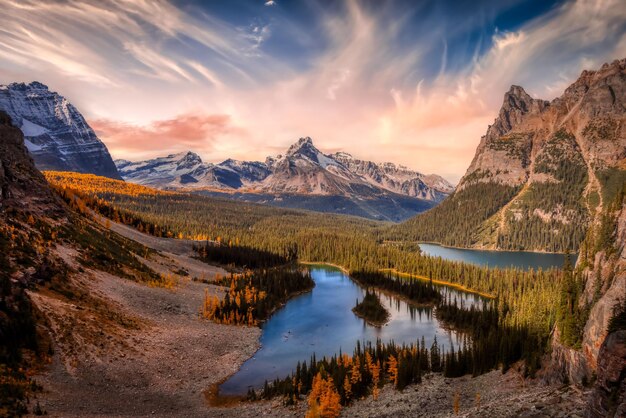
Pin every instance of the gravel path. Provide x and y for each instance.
(491, 395)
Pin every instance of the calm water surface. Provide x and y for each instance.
(521, 259)
(322, 322)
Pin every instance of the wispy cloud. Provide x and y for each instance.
(379, 79)
(256, 33)
(109, 42)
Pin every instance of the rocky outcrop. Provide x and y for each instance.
(504, 153)
(564, 364)
(608, 398)
(55, 133)
(23, 189)
(516, 107)
(558, 160)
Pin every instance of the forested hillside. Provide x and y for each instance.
(353, 243)
(540, 174)
(35, 224)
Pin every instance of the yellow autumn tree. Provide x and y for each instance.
(456, 403)
(324, 400)
(355, 372)
(392, 369)
(347, 388)
(313, 411)
(330, 401)
(374, 370)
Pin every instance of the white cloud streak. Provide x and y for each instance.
(366, 93)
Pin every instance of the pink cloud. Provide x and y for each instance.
(196, 131)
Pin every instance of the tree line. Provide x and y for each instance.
(244, 256)
(254, 295)
(417, 291)
(356, 244)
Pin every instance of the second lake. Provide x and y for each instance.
(502, 259)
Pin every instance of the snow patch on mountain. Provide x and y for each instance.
(32, 129)
(303, 169)
(56, 134)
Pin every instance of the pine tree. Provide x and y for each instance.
(392, 369)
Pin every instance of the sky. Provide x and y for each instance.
(412, 82)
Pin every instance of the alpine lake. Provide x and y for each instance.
(321, 321)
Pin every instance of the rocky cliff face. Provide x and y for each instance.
(23, 189)
(55, 133)
(593, 109)
(605, 278)
(608, 398)
(562, 159)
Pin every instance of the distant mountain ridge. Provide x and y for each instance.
(303, 177)
(55, 133)
(542, 171)
(303, 169)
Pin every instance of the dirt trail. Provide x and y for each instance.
(179, 251)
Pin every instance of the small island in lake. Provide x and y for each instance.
(371, 310)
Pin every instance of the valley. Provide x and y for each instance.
(312, 283)
(302, 178)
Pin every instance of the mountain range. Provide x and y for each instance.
(303, 177)
(59, 139)
(57, 136)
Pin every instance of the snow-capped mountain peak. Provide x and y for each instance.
(303, 169)
(303, 145)
(55, 133)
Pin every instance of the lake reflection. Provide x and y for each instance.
(322, 322)
(503, 259)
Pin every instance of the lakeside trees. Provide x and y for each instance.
(253, 296)
(244, 256)
(371, 309)
(417, 291)
(353, 243)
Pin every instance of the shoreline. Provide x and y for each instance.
(491, 250)
(409, 275)
(323, 263)
(370, 322)
(440, 282)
